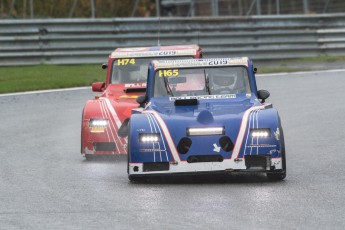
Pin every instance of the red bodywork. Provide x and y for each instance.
(116, 101)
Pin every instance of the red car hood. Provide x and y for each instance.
(123, 97)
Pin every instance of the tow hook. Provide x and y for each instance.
(238, 160)
(229, 170)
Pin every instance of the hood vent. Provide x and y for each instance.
(186, 102)
(134, 90)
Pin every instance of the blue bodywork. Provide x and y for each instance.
(238, 116)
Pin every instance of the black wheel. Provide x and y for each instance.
(128, 152)
(275, 176)
(132, 178)
(89, 157)
(139, 179)
(279, 174)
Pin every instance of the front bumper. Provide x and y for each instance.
(184, 167)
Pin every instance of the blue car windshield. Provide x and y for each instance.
(134, 70)
(201, 81)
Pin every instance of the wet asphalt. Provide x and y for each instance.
(46, 184)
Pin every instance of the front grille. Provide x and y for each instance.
(104, 146)
(257, 161)
(205, 158)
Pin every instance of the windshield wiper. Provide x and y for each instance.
(167, 86)
(207, 83)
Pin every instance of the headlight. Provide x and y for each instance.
(98, 125)
(260, 132)
(205, 131)
(149, 137)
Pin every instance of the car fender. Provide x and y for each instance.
(148, 152)
(101, 109)
(92, 109)
(272, 145)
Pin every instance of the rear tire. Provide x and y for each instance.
(89, 157)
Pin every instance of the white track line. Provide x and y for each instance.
(44, 91)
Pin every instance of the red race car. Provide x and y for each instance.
(105, 119)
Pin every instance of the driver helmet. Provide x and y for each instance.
(223, 82)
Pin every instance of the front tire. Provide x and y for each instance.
(275, 176)
(128, 152)
(279, 174)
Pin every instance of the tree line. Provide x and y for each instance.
(75, 8)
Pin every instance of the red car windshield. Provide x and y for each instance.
(132, 70)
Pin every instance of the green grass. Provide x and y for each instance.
(280, 70)
(324, 58)
(300, 64)
(28, 78)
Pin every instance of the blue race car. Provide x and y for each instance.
(204, 116)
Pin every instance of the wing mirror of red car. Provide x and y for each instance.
(98, 86)
(263, 95)
(142, 100)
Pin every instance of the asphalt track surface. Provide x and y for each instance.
(46, 184)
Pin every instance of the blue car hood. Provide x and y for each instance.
(225, 113)
(204, 111)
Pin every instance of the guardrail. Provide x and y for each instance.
(75, 41)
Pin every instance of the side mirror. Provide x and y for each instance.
(98, 86)
(142, 100)
(263, 95)
(104, 65)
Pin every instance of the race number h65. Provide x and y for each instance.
(168, 73)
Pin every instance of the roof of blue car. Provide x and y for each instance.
(158, 64)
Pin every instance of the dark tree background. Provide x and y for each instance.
(147, 8)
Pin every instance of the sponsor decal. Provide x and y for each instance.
(134, 49)
(216, 148)
(276, 162)
(225, 96)
(277, 134)
(186, 52)
(271, 152)
(135, 85)
(261, 146)
(129, 96)
(201, 62)
(151, 150)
